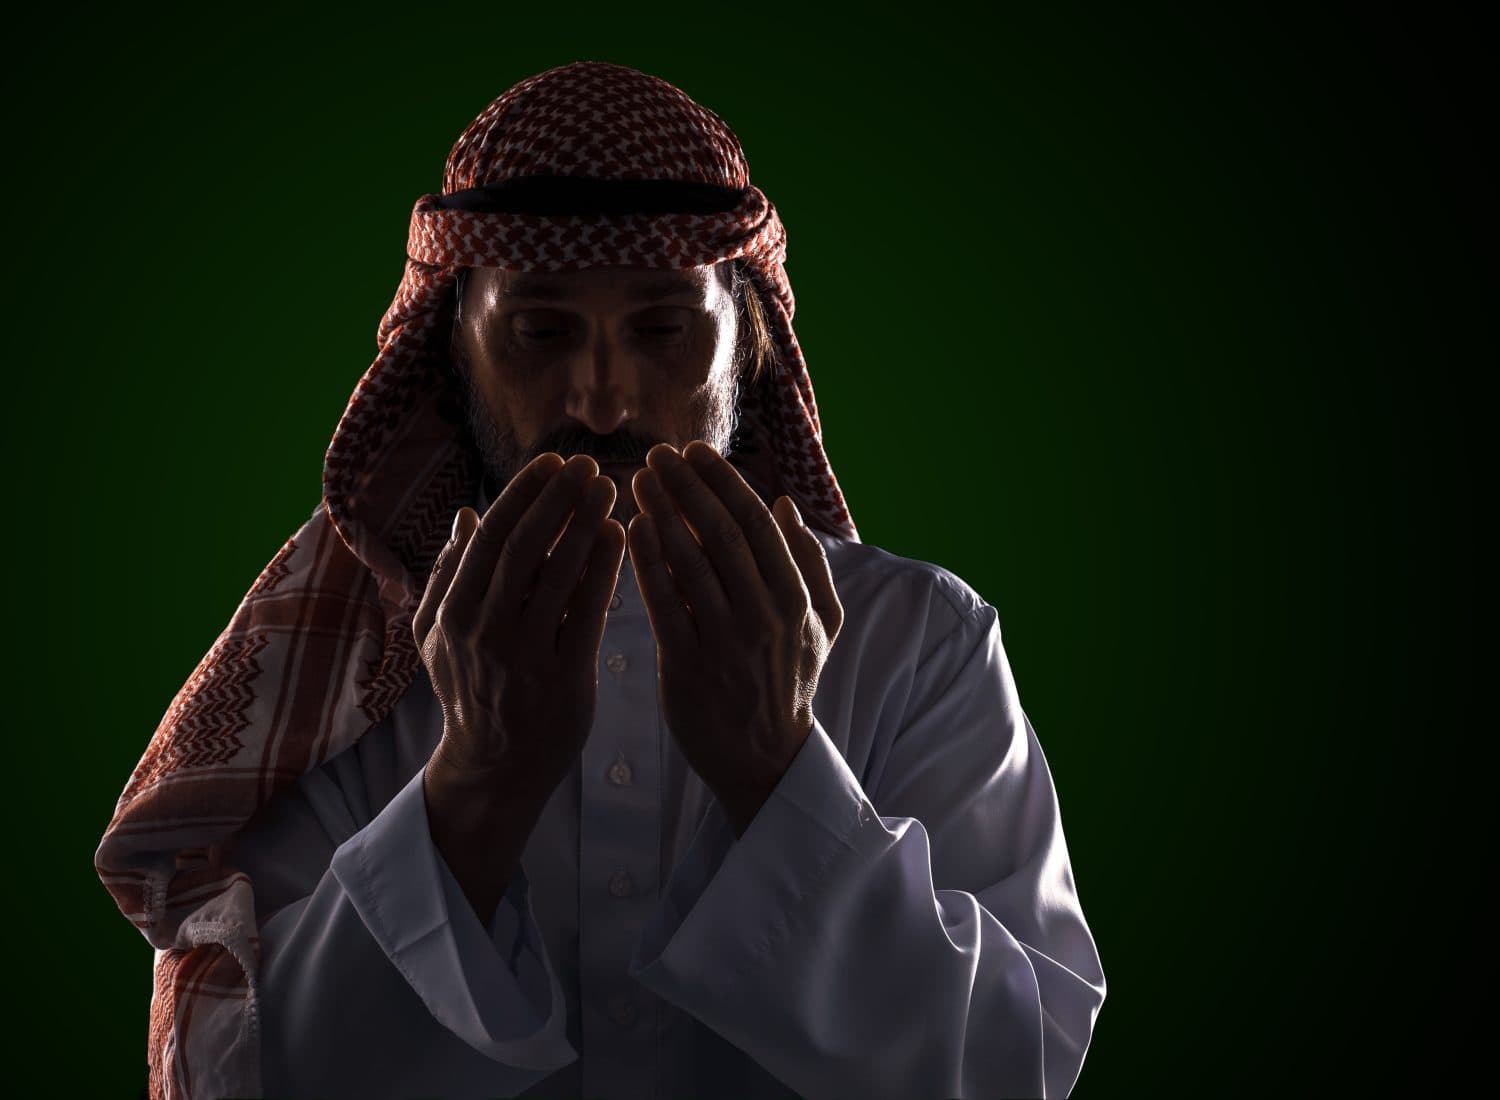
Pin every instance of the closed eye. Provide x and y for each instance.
(549, 333)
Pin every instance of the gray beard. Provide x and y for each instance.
(715, 420)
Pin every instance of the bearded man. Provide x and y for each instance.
(577, 745)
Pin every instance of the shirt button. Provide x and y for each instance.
(615, 601)
(622, 1010)
(616, 663)
(619, 773)
(621, 885)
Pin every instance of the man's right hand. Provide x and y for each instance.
(510, 634)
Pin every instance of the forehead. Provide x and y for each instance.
(625, 282)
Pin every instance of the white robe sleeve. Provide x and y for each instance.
(379, 975)
(936, 948)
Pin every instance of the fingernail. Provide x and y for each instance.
(796, 515)
(456, 517)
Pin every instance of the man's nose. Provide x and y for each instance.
(603, 392)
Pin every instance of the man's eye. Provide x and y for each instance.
(655, 331)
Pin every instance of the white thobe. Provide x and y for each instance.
(899, 919)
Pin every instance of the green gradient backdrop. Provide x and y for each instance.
(1158, 335)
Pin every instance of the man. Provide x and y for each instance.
(635, 774)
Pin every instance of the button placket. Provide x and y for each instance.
(619, 844)
(622, 1010)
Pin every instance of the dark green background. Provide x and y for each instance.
(1161, 335)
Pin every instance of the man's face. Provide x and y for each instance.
(606, 361)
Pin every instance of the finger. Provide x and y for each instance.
(583, 630)
(671, 621)
(812, 562)
(760, 530)
(724, 542)
(443, 572)
(521, 559)
(483, 547)
(692, 572)
(559, 574)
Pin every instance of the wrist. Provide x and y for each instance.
(477, 799)
(741, 803)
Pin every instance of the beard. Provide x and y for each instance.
(714, 417)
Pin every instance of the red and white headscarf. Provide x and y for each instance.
(321, 647)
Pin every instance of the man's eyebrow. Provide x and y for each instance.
(540, 290)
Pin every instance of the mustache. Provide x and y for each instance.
(716, 417)
(571, 439)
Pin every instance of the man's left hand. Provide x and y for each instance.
(744, 610)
